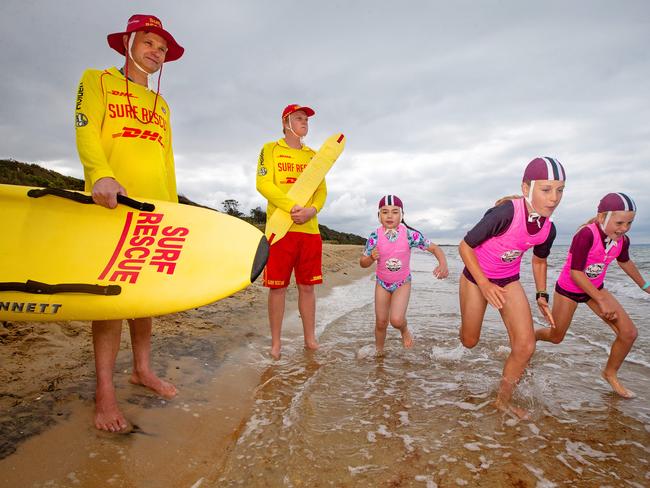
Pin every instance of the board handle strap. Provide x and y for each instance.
(38, 288)
(87, 199)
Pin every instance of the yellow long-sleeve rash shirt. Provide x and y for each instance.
(278, 168)
(112, 142)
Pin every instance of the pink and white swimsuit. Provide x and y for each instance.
(394, 263)
(596, 266)
(500, 256)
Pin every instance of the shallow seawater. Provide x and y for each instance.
(425, 416)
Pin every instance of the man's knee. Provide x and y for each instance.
(278, 292)
(142, 321)
(305, 289)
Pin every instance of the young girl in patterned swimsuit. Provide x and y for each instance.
(596, 244)
(390, 245)
(492, 253)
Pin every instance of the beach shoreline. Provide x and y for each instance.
(48, 373)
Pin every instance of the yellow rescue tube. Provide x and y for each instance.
(61, 259)
(302, 190)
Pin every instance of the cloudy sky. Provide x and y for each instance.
(443, 102)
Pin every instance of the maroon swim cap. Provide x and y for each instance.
(614, 202)
(544, 169)
(391, 200)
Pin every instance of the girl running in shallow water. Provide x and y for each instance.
(594, 247)
(390, 245)
(492, 253)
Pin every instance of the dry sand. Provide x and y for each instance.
(47, 390)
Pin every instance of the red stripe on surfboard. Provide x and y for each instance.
(271, 238)
(341, 137)
(118, 248)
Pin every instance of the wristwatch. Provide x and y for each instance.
(541, 294)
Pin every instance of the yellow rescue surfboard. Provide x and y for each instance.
(305, 186)
(64, 258)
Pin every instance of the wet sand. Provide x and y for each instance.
(215, 355)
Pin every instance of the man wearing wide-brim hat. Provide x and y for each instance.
(124, 142)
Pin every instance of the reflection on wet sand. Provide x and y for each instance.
(341, 416)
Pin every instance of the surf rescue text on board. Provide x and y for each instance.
(146, 243)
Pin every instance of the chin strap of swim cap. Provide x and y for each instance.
(609, 242)
(392, 232)
(131, 39)
(126, 76)
(533, 216)
(606, 221)
(291, 129)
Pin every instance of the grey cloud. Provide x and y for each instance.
(454, 98)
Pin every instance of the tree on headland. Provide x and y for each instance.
(258, 215)
(231, 207)
(17, 173)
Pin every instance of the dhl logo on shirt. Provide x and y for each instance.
(122, 94)
(144, 241)
(140, 134)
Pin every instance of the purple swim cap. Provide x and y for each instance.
(391, 200)
(544, 169)
(614, 202)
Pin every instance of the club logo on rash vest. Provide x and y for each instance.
(510, 256)
(80, 120)
(393, 264)
(594, 270)
(145, 242)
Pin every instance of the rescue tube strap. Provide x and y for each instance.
(38, 288)
(87, 199)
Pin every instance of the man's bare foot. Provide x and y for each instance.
(275, 352)
(379, 352)
(407, 338)
(510, 409)
(311, 345)
(151, 381)
(617, 387)
(108, 416)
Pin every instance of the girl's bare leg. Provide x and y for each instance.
(626, 334)
(382, 309)
(518, 320)
(398, 305)
(472, 311)
(563, 310)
